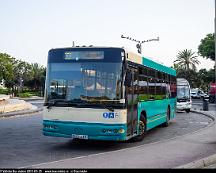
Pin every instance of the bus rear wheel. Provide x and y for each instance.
(142, 130)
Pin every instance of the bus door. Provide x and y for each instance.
(132, 102)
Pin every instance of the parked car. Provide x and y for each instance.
(198, 93)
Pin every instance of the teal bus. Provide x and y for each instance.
(106, 93)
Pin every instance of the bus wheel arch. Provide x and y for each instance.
(142, 127)
(168, 113)
(169, 109)
(143, 115)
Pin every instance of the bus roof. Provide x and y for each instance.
(138, 58)
(182, 81)
(86, 47)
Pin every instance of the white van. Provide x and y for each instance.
(198, 93)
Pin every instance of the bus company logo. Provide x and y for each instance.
(110, 114)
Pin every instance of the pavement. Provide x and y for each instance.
(4, 97)
(33, 98)
(209, 161)
(17, 106)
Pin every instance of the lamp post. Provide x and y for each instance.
(215, 45)
(139, 43)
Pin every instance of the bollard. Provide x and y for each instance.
(205, 105)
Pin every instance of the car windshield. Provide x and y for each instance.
(86, 81)
(183, 92)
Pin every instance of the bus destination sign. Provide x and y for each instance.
(77, 55)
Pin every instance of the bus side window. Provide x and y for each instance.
(151, 84)
(163, 89)
(158, 90)
(168, 92)
(143, 88)
(135, 82)
(173, 87)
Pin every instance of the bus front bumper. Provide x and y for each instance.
(92, 131)
(183, 106)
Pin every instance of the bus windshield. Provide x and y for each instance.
(89, 81)
(183, 92)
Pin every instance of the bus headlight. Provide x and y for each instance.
(113, 130)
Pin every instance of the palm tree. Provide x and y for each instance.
(187, 60)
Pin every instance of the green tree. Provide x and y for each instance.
(185, 64)
(6, 68)
(22, 72)
(38, 74)
(207, 47)
(201, 80)
(18, 74)
(186, 60)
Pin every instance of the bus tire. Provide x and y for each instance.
(166, 124)
(142, 129)
(187, 110)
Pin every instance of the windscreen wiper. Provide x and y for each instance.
(74, 102)
(54, 101)
(77, 103)
(95, 105)
(83, 102)
(185, 97)
(108, 107)
(102, 104)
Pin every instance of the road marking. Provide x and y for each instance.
(204, 123)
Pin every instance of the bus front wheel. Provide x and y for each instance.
(142, 129)
(187, 110)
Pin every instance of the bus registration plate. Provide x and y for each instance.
(79, 136)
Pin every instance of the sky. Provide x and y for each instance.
(30, 28)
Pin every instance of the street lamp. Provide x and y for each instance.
(215, 45)
(139, 43)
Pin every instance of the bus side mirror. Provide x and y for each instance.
(128, 79)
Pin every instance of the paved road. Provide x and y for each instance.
(22, 143)
(197, 104)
